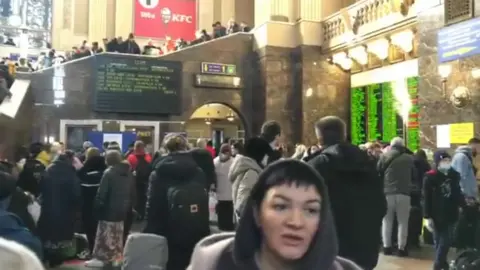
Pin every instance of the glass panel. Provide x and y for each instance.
(111, 126)
(31, 17)
(145, 134)
(76, 135)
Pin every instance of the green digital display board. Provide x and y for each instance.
(413, 134)
(357, 115)
(375, 116)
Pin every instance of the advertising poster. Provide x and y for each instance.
(158, 19)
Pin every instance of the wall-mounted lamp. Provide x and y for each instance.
(403, 40)
(444, 71)
(476, 73)
(309, 92)
(342, 60)
(208, 121)
(359, 54)
(230, 117)
(379, 47)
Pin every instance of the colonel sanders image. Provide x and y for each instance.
(460, 97)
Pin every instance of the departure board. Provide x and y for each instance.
(357, 115)
(389, 113)
(413, 134)
(374, 112)
(133, 84)
(375, 117)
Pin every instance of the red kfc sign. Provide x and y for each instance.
(161, 18)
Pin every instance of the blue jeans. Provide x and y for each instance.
(443, 240)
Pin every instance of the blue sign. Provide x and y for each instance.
(459, 40)
(217, 68)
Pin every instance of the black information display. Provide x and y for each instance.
(357, 115)
(127, 84)
(374, 114)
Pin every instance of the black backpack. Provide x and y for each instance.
(143, 169)
(188, 220)
(466, 260)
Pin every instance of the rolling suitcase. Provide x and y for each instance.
(145, 251)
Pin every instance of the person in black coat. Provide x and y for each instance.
(90, 176)
(271, 132)
(356, 192)
(177, 167)
(203, 158)
(443, 198)
(60, 201)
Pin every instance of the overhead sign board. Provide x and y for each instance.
(459, 40)
(218, 68)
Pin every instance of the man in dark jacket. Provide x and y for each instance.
(204, 160)
(355, 190)
(443, 198)
(271, 132)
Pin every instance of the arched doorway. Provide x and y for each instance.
(216, 122)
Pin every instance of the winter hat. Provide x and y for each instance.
(439, 155)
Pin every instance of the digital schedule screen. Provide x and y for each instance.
(375, 113)
(413, 134)
(128, 84)
(358, 109)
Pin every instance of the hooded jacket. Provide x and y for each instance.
(357, 200)
(243, 175)
(237, 251)
(398, 169)
(224, 185)
(116, 194)
(462, 162)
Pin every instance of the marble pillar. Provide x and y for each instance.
(123, 17)
(97, 23)
(437, 108)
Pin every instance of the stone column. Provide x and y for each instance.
(123, 18)
(209, 11)
(97, 23)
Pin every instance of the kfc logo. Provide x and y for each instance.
(168, 16)
(148, 4)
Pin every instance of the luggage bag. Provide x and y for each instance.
(145, 251)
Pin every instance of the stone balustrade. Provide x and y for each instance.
(365, 19)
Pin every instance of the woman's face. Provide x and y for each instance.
(314, 149)
(289, 216)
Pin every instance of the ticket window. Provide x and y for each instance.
(77, 135)
(144, 134)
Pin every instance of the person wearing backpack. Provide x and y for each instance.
(177, 204)
(356, 192)
(140, 163)
(442, 199)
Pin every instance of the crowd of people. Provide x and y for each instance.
(121, 45)
(330, 206)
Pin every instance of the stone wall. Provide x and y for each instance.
(329, 94)
(437, 108)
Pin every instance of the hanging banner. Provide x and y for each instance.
(159, 19)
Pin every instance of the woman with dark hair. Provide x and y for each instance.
(237, 148)
(287, 224)
(60, 200)
(90, 175)
(245, 169)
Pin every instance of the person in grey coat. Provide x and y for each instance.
(397, 168)
(115, 198)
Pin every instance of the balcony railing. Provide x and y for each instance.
(366, 18)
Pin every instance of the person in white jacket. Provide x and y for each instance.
(224, 206)
(244, 171)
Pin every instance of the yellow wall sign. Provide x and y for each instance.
(461, 133)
